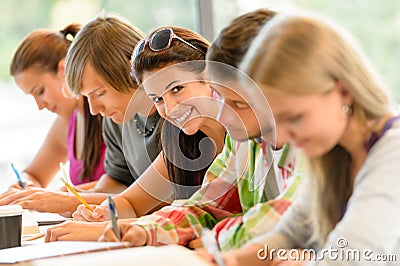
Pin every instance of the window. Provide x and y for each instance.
(375, 24)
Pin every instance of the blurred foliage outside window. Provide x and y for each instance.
(20, 17)
(376, 24)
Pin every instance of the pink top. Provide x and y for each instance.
(76, 165)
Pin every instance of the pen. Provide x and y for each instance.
(18, 176)
(114, 217)
(70, 188)
(209, 242)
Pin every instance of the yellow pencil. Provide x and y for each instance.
(33, 237)
(64, 180)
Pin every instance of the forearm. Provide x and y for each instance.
(72, 202)
(172, 225)
(94, 198)
(124, 208)
(86, 186)
(31, 178)
(107, 184)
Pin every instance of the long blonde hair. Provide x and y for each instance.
(301, 55)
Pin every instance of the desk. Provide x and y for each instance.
(166, 255)
(32, 223)
(150, 256)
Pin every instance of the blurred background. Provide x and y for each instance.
(376, 24)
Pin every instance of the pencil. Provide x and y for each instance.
(70, 188)
(34, 237)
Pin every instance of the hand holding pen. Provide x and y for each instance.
(114, 217)
(100, 213)
(209, 243)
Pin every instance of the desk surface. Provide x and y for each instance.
(166, 255)
(149, 256)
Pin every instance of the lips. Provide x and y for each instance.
(184, 116)
(299, 144)
(52, 109)
(108, 115)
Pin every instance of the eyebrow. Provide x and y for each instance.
(93, 91)
(235, 100)
(238, 101)
(166, 88)
(282, 115)
(170, 84)
(226, 98)
(33, 88)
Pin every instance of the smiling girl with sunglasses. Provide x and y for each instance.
(179, 99)
(183, 129)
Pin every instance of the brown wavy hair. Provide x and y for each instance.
(43, 50)
(234, 40)
(106, 43)
(177, 149)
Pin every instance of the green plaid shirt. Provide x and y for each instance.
(238, 182)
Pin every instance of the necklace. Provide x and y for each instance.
(143, 132)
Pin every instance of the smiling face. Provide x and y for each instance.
(46, 89)
(179, 97)
(314, 123)
(102, 98)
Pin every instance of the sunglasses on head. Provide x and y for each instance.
(159, 41)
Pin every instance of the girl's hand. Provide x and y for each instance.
(129, 232)
(75, 231)
(41, 200)
(99, 214)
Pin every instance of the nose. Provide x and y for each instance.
(40, 103)
(169, 105)
(228, 117)
(222, 115)
(94, 106)
(283, 135)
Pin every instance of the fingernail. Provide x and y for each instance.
(95, 215)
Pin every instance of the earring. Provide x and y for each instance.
(347, 109)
